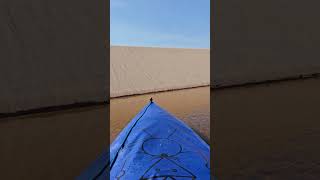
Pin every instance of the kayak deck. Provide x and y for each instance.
(156, 145)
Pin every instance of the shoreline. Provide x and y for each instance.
(159, 91)
(160, 47)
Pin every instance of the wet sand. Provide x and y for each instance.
(190, 105)
(267, 131)
(55, 145)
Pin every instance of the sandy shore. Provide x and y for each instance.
(138, 70)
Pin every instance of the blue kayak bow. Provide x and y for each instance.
(154, 145)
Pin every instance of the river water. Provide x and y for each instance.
(190, 105)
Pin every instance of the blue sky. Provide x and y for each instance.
(160, 23)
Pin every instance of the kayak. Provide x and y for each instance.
(154, 145)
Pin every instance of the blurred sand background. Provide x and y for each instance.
(52, 54)
(264, 40)
(268, 131)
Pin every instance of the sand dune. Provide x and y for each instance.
(138, 70)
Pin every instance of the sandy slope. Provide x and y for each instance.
(137, 70)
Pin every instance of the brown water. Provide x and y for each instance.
(268, 131)
(190, 105)
(51, 146)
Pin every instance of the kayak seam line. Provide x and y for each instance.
(105, 167)
(122, 145)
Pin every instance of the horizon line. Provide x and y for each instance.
(163, 47)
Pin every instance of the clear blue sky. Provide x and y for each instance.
(160, 23)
